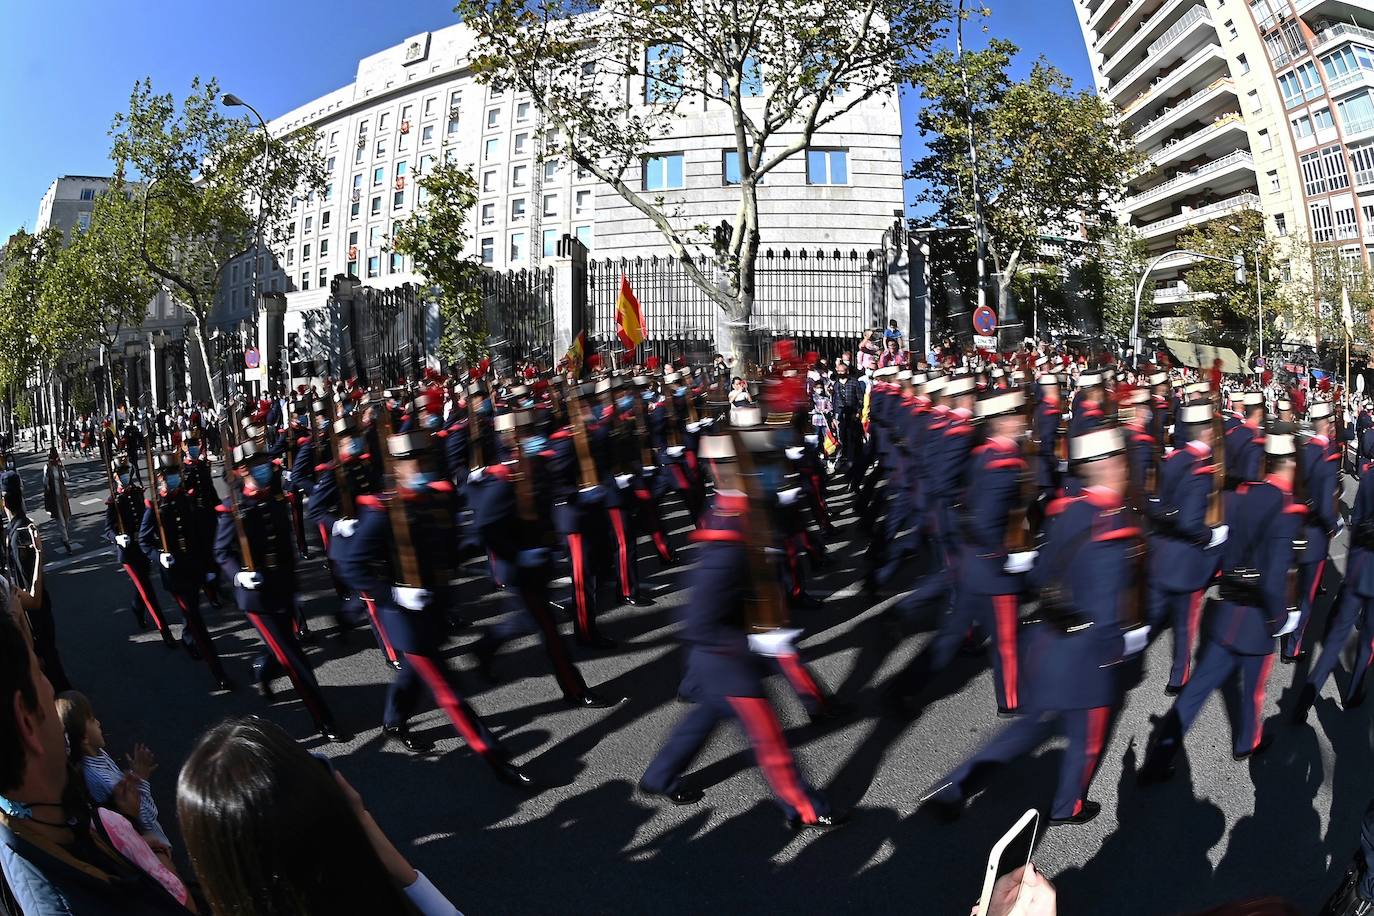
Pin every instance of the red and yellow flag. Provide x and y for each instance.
(577, 353)
(629, 317)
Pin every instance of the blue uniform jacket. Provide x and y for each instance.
(1179, 558)
(1320, 465)
(1359, 573)
(1263, 522)
(268, 530)
(994, 489)
(126, 506)
(183, 531)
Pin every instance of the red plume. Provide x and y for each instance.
(1216, 375)
(652, 363)
(530, 372)
(786, 350)
(1266, 377)
(1324, 385)
(1124, 391)
(593, 360)
(474, 374)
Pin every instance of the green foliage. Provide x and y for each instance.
(1224, 310)
(25, 262)
(1309, 307)
(1113, 270)
(437, 237)
(205, 177)
(81, 396)
(1048, 158)
(23, 412)
(782, 69)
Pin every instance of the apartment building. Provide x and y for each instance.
(1242, 104)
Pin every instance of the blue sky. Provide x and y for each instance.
(66, 66)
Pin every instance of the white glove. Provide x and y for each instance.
(413, 599)
(811, 440)
(1021, 561)
(696, 427)
(648, 470)
(286, 476)
(248, 579)
(774, 643)
(623, 480)
(1063, 466)
(345, 527)
(123, 541)
(474, 476)
(1136, 639)
(789, 496)
(166, 559)
(1290, 624)
(794, 453)
(675, 451)
(1219, 536)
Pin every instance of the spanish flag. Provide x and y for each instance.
(629, 317)
(577, 353)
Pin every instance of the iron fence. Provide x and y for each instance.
(518, 306)
(388, 334)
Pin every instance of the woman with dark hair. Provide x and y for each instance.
(23, 564)
(274, 831)
(55, 499)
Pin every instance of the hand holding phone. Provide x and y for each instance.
(1009, 872)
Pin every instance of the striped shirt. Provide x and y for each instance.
(102, 774)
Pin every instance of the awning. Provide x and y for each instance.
(1201, 356)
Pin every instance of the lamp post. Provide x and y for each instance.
(230, 101)
(1259, 291)
(1149, 269)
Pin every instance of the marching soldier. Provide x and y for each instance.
(1319, 463)
(1255, 608)
(199, 483)
(170, 535)
(1245, 441)
(722, 678)
(298, 469)
(123, 515)
(253, 547)
(400, 555)
(1073, 671)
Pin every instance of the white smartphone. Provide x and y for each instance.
(1011, 852)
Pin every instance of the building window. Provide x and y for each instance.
(376, 206)
(1334, 160)
(381, 148)
(378, 175)
(291, 229)
(305, 283)
(290, 256)
(456, 99)
(1302, 127)
(488, 251)
(1243, 64)
(493, 118)
(353, 238)
(401, 169)
(518, 175)
(324, 248)
(1314, 179)
(324, 276)
(453, 125)
(550, 204)
(551, 167)
(1346, 61)
(1321, 119)
(383, 121)
(309, 224)
(1357, 113)
(358, 156)
(305, 252)
(662, 73)
(1274, 185)
(329, 164)
(550, 242)
(352, 269)
(517, 247)
(1321, 221)
(425, 162)
(1254, 99)
(1266, 142)
(374, 265)
(489, 181)
(374, 235)
(519, 143)
(353, 210)
(83, 221)
(357, 183)
(827, 166)
(1280, 224)
(334, 138)
(405, 112)
(663, 173)
(397, 263)
(88, 193)
(1362, 162)
(1368, 211)
(490, 149)
(1231, 30)
(324, 220)
(429, 106)
(584, 235)
(729, 167)
(582, 203)
(488, 214)
(427, 133)
(1346, 227)
(1302, 84)
(398, 200)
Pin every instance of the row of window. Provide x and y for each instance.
(1303, 83)
(516, 244)
(581, 207)
(665, 172)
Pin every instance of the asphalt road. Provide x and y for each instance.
(1283, 824)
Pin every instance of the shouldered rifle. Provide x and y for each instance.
(1215, 511)
(152, 482)
(226, 426)
(346, 507)
(106, 453)
(579, 429)
(400, 521)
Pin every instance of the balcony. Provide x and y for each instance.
(1111, 32)
(1352, 80)
(1151, 25)
(1163, 50)
(1238, 161)
(1331, 35)
(1358, 128)
(1174, 224)
(1194, 105)
(1189, 70)
(1173, 293)
(1103, 14)
(1229, 128)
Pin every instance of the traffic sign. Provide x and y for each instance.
(251, 358)
(984, 321)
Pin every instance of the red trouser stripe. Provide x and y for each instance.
(446, 698)
(1316, 582)
(1004, 609)
(1265, 667)
(1194, 618)
(792, 568)
(772, 753)
(579, 577)
(201, 639)
(1092, 749)
(622, 550)
(308, 696)
(800, 678)
(679, 478)
(387, 648)
(142, 593)
(661, 545)
(324, 536)
(1311, 600)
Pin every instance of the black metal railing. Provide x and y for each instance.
(518, 306)
(388, 335)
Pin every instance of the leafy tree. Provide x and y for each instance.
(1048, 158)
(1309, 304)
(204, 178)
(611, 80)
(26, 260)
(437, 236)
(1113, 271)
(1223, 310)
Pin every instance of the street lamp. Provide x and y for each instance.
(230, 100)
(1259, 286)
(1149, 269)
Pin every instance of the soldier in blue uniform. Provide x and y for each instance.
(1255, 607)
(298, 469)
(1356, 607)
(123, 514)
(1184, 551)
(254, 550)
(170, 536)
(400, 554)
(199, 483)
(1088, 410)
(723, 679)
(1074, 651)
(1319, 463)
(1245, 441)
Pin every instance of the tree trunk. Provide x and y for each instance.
(198, 329)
